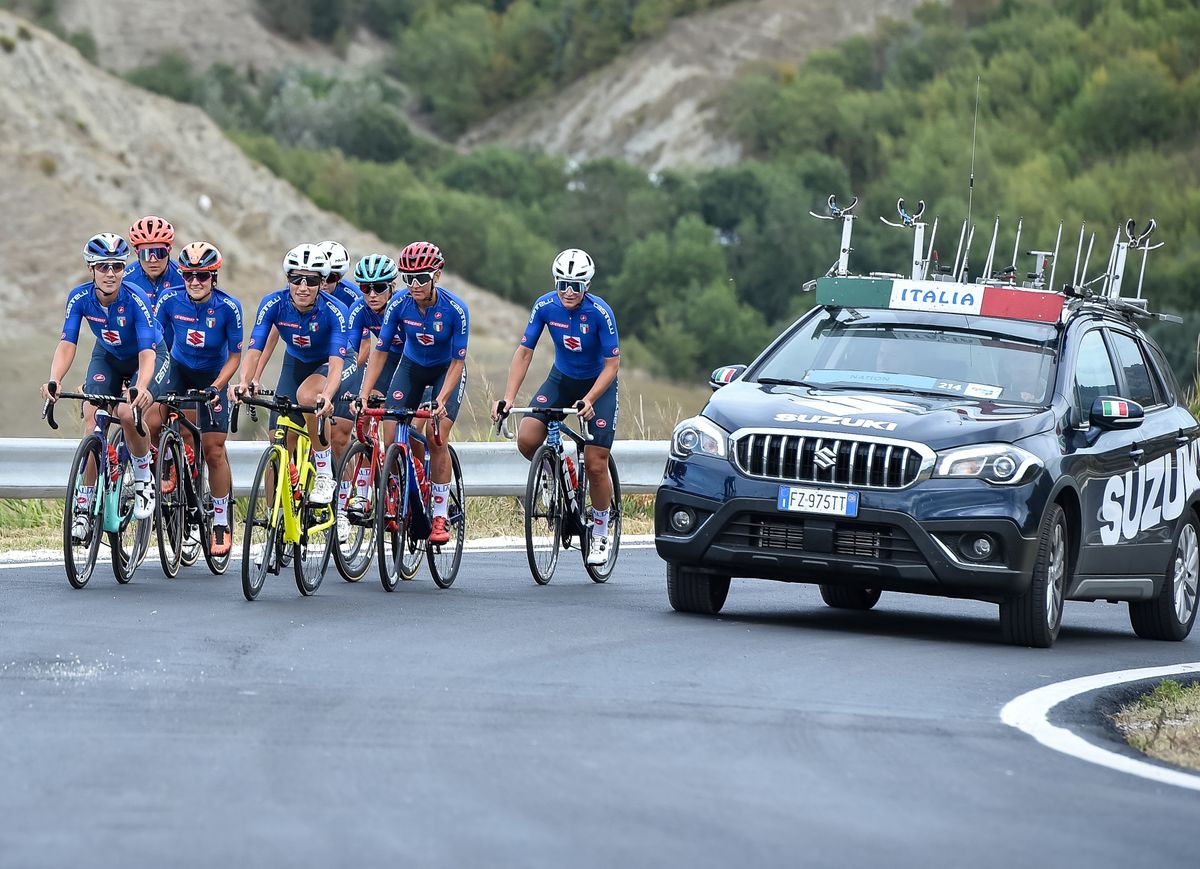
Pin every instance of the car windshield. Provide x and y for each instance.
(845, 348)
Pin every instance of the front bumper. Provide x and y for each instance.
(902, 540)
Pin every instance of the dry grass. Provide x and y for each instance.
(1165, 724)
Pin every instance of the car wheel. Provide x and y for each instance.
(1170, 616)
(1034, 618)
(693, 591)
(843, 598)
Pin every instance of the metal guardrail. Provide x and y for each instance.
(38, 467)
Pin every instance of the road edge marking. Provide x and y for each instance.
(1028, 713)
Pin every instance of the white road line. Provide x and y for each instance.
(1028, 713)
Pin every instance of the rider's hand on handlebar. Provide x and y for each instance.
(497, 412)
(50, 390)
(586, 411)
(142, 401)
(325, 406)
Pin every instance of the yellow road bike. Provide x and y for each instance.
(282, 524)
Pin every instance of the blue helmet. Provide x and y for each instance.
(105, 247)
(375, 268)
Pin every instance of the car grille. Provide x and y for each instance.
(877, 542)
(814, 458)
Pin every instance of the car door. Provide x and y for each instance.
(1099, 461)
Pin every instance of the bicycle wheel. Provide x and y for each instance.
(544, 508)
(170, 511)
(353, 558)
(601, 572)
(80, 556)
(131, 542)
(316, 538)
(259, 540)
(216, 563)
(444, 560)
(391, 530)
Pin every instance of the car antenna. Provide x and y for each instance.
(971, 182)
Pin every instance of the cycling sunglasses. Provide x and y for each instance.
(202, 277)
(307, 280)
(570, 286)
(375, 289)
(109, 267)
(333, 278)
(147, 254)
(416, 279)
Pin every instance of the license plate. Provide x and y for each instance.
(800, 499)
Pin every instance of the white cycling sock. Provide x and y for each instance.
(84, 497)
(600, 523)
(221, 511)
(323, 459)
(363, 482)
(441, 499)
(343, 495)
(141, 467)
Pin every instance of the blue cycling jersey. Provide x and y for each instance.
(171, 279)
(201, 335)
(364, 324)
(312, 336)
(435, 337)
(346, 292)
(583, 338)
(124, 328)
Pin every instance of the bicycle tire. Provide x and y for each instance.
(80, 561)
(443, 565)
(217, 564)
(259, 520)
(390, 487)
(129, 544)
(544, 509)
(353, 559)
(312, 550)
(601, 572)
(170, 509)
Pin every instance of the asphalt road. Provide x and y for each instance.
(503, 724)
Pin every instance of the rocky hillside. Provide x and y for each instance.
(656, 106)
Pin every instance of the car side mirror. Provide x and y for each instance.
(1112, 413)
(724, 375)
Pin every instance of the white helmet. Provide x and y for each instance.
(336, 255)
(306, 257)
(574, 264)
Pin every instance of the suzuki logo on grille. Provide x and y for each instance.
(825, 457)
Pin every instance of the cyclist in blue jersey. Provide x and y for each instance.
(312, 327)
(202, 325)
(129, 347)
(154, 273)
(338, 259)
(431, 328)
(376, 276)
(587, 356)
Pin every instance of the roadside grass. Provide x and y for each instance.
(1165, 723)
(30, 524)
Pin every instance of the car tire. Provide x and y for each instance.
(1170, 616)
(842, 598)
(694, 591)
(1035, 617)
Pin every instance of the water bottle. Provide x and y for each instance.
(295, 474)
(572, 478)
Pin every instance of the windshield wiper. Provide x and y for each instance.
(782, 381)
(871, 387)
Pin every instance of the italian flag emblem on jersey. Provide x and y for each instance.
(1116, 408)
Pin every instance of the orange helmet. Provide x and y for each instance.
(199, 256)
(151, 230)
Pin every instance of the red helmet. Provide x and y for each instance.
(420, 256)
(151, 230)
(200, 256)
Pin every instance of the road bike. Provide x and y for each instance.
(556, 504)
(184, 506)
(282, 523)
(103, 459)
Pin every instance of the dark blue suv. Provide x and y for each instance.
(991, 442)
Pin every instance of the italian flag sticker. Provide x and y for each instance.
(1116, 408)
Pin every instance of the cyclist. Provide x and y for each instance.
(335, 284)
(430, 327)
(153, 272)
(203, 327)
(312, 327)
(376, 276)
(586, 358)
(129, 347)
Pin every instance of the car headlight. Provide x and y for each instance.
(1002, 464)
(698, 435)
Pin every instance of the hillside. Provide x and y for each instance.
(656, 105)
(83, 151)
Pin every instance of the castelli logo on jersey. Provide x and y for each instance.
(601, 423)
(437, 315)
(397, 395)
(462, 353)
(211, 311)
(120, 309)
(583, 318)
(342, 351)
(541, 399)
(99, 378)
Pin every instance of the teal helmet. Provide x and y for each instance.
(375, 268)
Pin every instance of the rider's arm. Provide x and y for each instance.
(603, 380)
(450, 382)
(64, 355)
(146, 360)
(164, 319)
(227, 371)
(374, 367)
(265, 355)
(263, 339)
(516, 373)
(248, 369)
